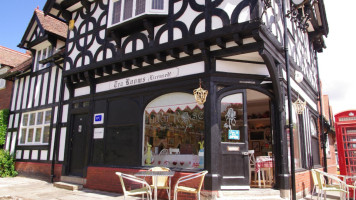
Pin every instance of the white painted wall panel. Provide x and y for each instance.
(11, 120)
(65, 113)
(51, 85)
(13, 142)
(16, 122)
(26, 154)
(8, 138)
(18, 154)
(34, 155)
(44, 89)
(19, 95)
(52, 143)
(55, 115)
(66, 92)
(59, 82)
(25, 94)
(82, 91)
(44, 154)
(62, 144)
(14, 95)
(30, 97)
(38, 90)
(241, 68)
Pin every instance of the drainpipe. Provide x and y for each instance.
(286, 57)
(58, 125)
(323, 135)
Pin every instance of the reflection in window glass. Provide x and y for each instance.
(30, 135)
(48, 117)
(39, 118)
(32, 119)
(313, 128)
(296, 138)
(232, 118)
(38, 135)
(174, 124)
(25, 120)
(46, 135)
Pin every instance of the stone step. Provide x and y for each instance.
(68, 186)
(252, 194)
(74, 179)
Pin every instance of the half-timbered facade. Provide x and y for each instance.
(129, 71)
(36, 95)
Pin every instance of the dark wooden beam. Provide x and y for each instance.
(188, 49)
(108, 69)
(81, 76)
(161, 56)
(117, 67)
(149, 59)
(116, 37)
(66, 15)
(74, 78)
(137, 62)
(127, 65)
(221, 42)
(238, 39)
(174, 53)
(86, 5)
(150, 29)
(99, 71)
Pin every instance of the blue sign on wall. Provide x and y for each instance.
(234, 135)
(99, 118)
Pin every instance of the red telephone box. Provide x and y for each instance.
(345, 125)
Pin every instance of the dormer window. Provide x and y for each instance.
(121, 11)
(41, 55)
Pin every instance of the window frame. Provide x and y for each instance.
(41, 55)
(147, 11)
(42, 126)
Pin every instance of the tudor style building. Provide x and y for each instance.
(129, 71)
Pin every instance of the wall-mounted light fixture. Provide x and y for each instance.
(200, 94)
(71, 24)
(299, 13)
(299, 106)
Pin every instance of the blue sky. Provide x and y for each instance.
(337, 70)
(14, 18)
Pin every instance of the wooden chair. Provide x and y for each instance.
(339, 185)
(181, 188)
(252, 160)
(146, 189)
(162, 181)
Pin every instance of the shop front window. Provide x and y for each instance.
(296, 139)
(174, 132)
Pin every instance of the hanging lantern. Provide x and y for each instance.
(200, 94)
(299, 106)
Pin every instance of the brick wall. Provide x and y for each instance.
(103, 178)
(5, 95)
(42, 170)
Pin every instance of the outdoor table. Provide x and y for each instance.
(263, 162)
(156, 174)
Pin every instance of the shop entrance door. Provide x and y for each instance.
(234, 141)
(78, 145)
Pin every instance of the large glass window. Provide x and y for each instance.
(296, 139)
(41, 55)
(35, 127)
(232, 118)
(174, 132)
(315, 142)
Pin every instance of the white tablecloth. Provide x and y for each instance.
(176, 160)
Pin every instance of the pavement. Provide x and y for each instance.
(27, 188)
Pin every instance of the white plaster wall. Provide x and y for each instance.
(52, 143)
(11, 119)
(51, 85)
(44, 154)
(26, 154)
(19, 98)
(8, 138)
(34, 155)
(38, 89)
(65, 113)
(18, 154)
(14, 94)
(59, 81)
(62, 144)
(30, 98)
(13, 142)
(16, 122)
(82, 91)
(241, 68)
(25, 94)
(44, 89)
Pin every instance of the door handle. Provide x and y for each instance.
(245, 153)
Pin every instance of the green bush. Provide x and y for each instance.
(7, 164)
(4, 114)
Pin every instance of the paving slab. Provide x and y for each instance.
(25, 188)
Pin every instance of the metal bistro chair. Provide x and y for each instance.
(162, 180)
(252, 160)
(146, 189)
(196, 190)
(323, 187)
